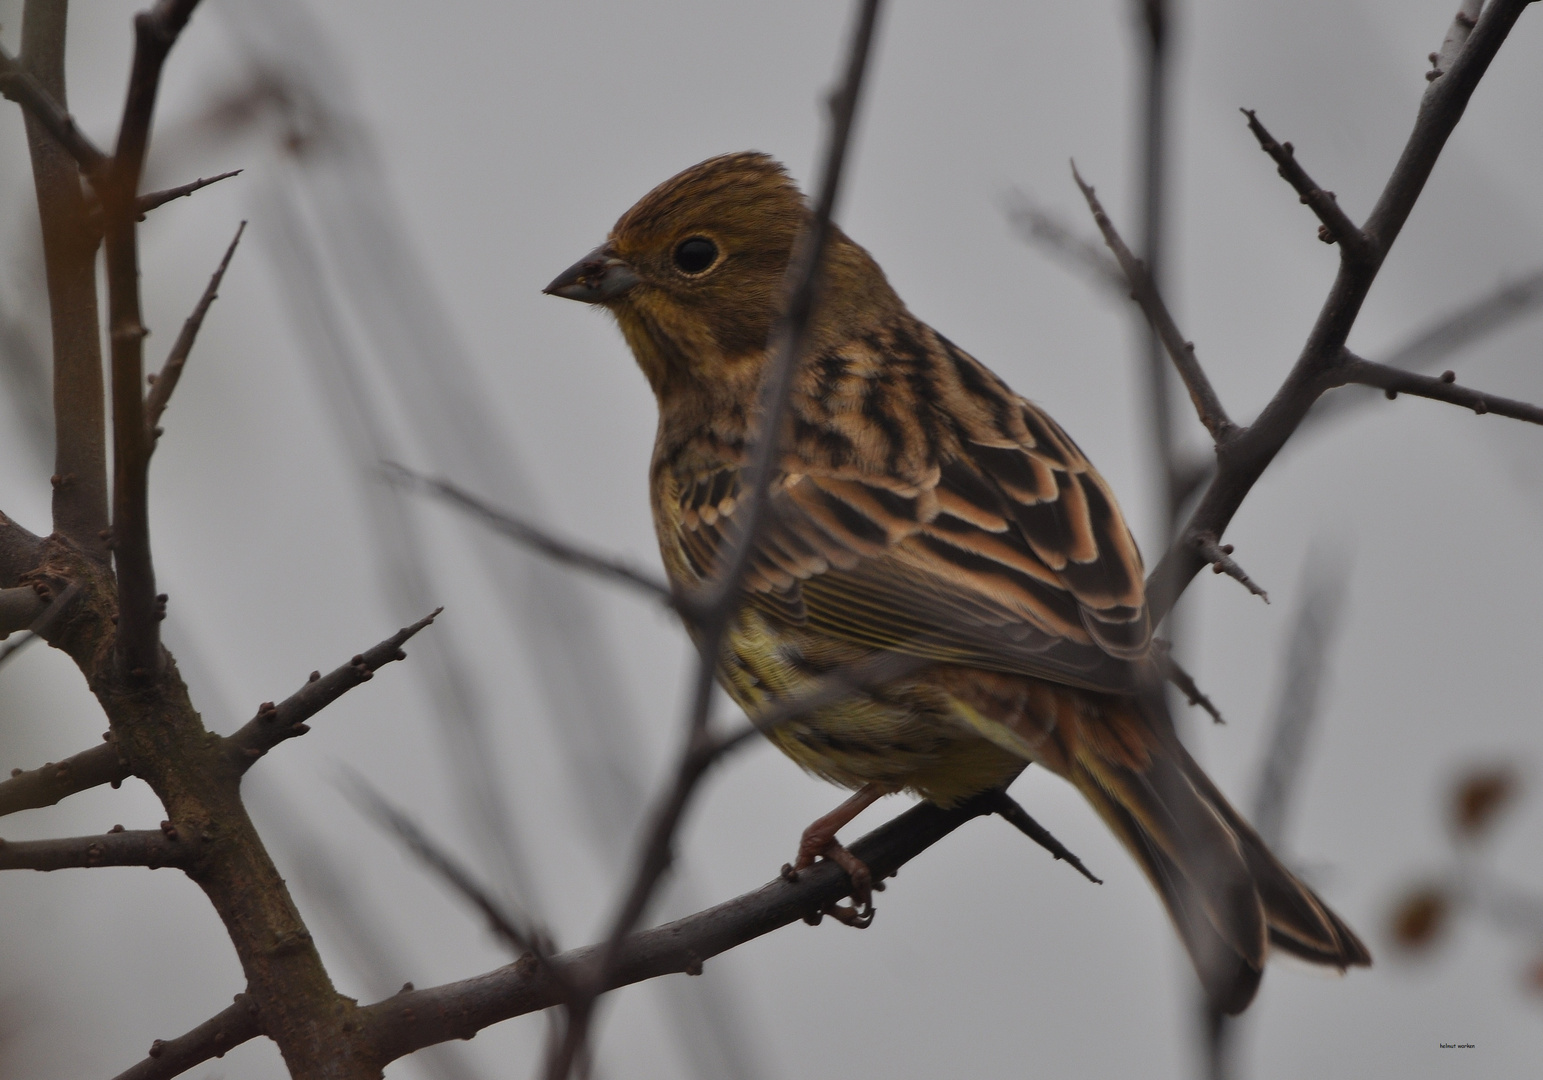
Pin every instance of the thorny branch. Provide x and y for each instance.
(1242, 459)
(1337, 227)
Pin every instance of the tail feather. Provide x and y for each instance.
(1229, 897)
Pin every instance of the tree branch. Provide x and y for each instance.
(1397, 381)
(1222, 562)
(69, 254)
(286, 720)
(19, 551)
(1207, 405)
(1337, 226)
(410, 1021)
(139, 635)
(1243, 459)
(19, 608)
(171, 371)
(155, 199)
(22, 87)
(152, 848)
(213, 1038)
(29, 790)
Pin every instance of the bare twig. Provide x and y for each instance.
(1222, 562)
(237, 1024)
(44, 786)
(1249, 452)
(531, 536)
(1463, 22)
(152, 848)
(1337, 227)
(19, 609)
(171, 371)
(286, 720)
(1395, 381)
(154, 199)
(1007, 808)
(1207, 405)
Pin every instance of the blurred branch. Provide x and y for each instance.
(1162, 652)
(237, 1024)
(531, 536)
(1243, 457)
(19, 82)
(1039, 228)
(165, 382)
(56, 607)
(1395, 381)
(712, 609)
(19, 609)
(286, 720)
(1324, 584)
(152, 848)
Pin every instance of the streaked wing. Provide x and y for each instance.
(1000, 548)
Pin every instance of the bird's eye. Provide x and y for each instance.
(695, 254)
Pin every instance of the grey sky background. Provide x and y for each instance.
(507, 138)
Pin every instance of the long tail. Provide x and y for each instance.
(1228, 895)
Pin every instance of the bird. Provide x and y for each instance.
(919, 509)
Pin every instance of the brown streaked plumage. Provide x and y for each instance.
(922, 508)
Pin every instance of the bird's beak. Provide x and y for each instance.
(597, 278)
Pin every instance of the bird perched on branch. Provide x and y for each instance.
(920, 508)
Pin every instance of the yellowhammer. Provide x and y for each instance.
(922, 508)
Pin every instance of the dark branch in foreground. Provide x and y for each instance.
(164, 383)
(152, 848)
(286, 720)
(211, 1039)
(1006, 807)
(1142, 290)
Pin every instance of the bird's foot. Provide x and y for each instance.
(817, 844)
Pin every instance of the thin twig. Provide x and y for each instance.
(1395, 381)
(1207, 405)
(531, 536)
(171, 371)
(154, 199)
(286, 720)
(152, 848)
(1337, 226)
(215, 1037)
(1221, 560)
(1008, 809)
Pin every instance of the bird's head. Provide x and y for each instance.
(694, 272)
